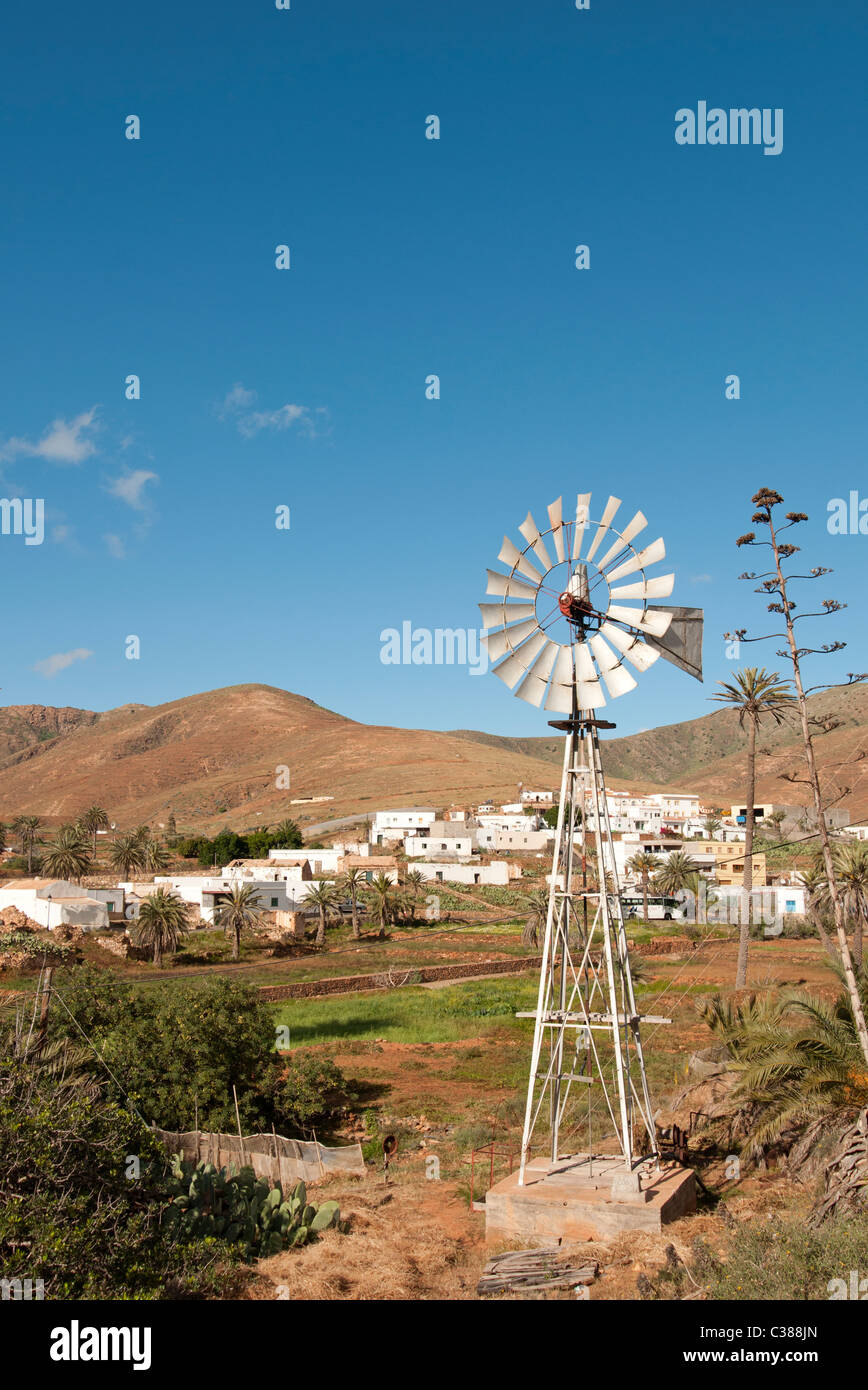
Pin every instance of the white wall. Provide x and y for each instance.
(465, 873)
(395, 825)
(44, 905)
(322, 861)
(461, 845)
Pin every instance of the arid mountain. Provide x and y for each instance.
(221, 758)
(707, 755)
(218, 758)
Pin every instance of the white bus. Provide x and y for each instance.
(660, 909)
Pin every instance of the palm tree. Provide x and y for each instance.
(414, 881)
(155, 857)
(643, 864)
(161, 923)
(67, 855)
(27, 829)
(538, 902)
(94, 819)
(799, 1059)
(127, 854)
(756, 694)
(851, 876)
(351, 883)
(238, 913)
(816, 890)
(286, 835)
(676, 873)
(382, 891)
(324, 897)
(776, 820)
(711, 826)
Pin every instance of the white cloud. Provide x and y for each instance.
(239, 398)
(65, 441)
(281, 419)
(115, 545)
(129, 487)
(59, 662)
(701, 579)
(248, 422)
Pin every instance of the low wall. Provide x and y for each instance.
(393, 979)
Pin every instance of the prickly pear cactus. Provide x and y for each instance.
(243, 1209)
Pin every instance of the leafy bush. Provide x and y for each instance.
(31, 945)
(15, 862)
(82, 1189)
(311, 1092)
(177, 1053)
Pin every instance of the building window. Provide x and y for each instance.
(274, 902)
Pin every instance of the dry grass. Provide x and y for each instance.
(403, 1244)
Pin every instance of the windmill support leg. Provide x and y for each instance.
(585, 989)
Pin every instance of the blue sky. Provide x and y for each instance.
(410, 257)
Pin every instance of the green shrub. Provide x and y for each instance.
(312, 1092)
(32, 945)
(82, 1190)
(178, 1052)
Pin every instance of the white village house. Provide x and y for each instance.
(444, 837)
(54, 902)
(499, 872)
(397, 825)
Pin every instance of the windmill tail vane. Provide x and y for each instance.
(572, 626)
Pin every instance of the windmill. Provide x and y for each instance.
(565, 635)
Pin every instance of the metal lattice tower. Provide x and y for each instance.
(559, 633)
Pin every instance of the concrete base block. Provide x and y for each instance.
(586, 1198)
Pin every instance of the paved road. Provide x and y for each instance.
(327, 825)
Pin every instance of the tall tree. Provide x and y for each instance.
(538, 902)
(27, 829)
(757, 695)
(415, 881)
(67, 855)
(382, 891)
(851, 873)
(677, 873)
(93, 820)
(155, 856)
(239, 912)
(352, 883)
(813, 877)
(127, 854)
(643, 865)
(161, 924)
(775, 585)
(286, 835)
(324, 897)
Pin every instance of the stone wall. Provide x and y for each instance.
(393, 979)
